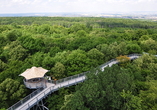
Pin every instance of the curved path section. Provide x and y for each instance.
(32, 99)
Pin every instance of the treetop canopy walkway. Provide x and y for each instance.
(41, 93)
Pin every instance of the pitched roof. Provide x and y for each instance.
(34, 72)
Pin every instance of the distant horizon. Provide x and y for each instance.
(76, 6)
(151, 15)
(109, 12)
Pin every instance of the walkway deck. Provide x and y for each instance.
(66, 82)
(50, 88)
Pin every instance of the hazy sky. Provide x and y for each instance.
(31, 6)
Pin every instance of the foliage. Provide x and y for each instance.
(96, 56)
(75, 62)
(101, 91)
(10, 92)
(72, 45)
(123, 60)
(133, 48)
(149, 96)
(131, 102)
(145, 62)
(58, 70)
(56, 100)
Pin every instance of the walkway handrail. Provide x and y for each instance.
(58, 82)
(19, 103)
(59, 85)
(71, 77)
(49, 90)
(134, 54)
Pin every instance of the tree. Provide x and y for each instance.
(2, 65)
(123, 60)
(44, 29)
(149, 44)
(3, 40)
(10, 92)
(154, 37)
(58, 70)
(140, 32)
(81, 33)
(16, 51)
(77, 62)
(96, 56)
(38, 59)
(133, 48)
(113, 50)
(13, 69)
(4, 28)
(29, 43)
(39, 44)
(149, 96)
(131, 102)
(143, 63)
(92, 42)
(77, 27)
(54, 51)
(144, 37)
(75, 44)
(49, 43)
(61, 57)
(12, 35)
(101, 90)
(47, 61)
(55, 101)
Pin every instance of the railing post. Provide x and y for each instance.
(30, 96)
(50, 89)
(37, 99)
(28, 105)
(21, 101)
(44, 93)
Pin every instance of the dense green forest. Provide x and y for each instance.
(71, 45)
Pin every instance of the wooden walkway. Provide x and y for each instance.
(66, 82)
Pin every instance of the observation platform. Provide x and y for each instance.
(35, 83)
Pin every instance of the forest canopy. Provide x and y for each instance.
(71, 45)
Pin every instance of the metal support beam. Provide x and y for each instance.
(39, 106)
